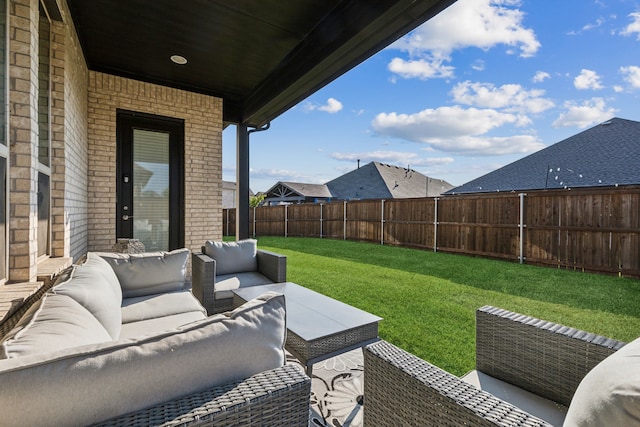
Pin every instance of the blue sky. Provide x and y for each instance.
(483, 84)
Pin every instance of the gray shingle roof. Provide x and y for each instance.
(309, 190)
(605, 155)
(379, 181)
(372, 181)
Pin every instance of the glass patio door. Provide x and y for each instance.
(150, 181)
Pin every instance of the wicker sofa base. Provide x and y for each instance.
(279, 397)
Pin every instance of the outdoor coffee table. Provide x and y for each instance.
(318, 327)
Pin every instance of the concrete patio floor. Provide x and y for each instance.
(337, 391)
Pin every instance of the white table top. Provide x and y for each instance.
(311, 315)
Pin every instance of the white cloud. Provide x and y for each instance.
(631, 75)
(473, 23)
(510, 97)
(422, 69)
(588, 27)
(478, 65)
(280, 175)
(399, 158)
(596, 24)
(588, 113)
(634, 27)
(456, 130)
(541, 76)
(332, 106)
(587, 79)
(490, 146)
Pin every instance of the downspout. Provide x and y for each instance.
(242, 178)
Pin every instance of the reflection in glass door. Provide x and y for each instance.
(151, 189)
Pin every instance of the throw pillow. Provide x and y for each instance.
(56, 322)
(95, 286)
(609, 395)
(233, 257)
(150, 272)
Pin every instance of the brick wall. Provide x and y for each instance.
(203, 154)
(69, 144)
(23, 138)
(83, 146)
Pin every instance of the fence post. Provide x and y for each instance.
(286, 219)
(522, 225)
(344, 222)
(228, 221)
(321, 220)
(382, 222)
(435, 224)
(254, 222)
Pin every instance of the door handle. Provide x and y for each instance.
(126, 217)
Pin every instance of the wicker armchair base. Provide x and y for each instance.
(540, 357)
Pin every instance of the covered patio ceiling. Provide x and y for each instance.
(260, 56)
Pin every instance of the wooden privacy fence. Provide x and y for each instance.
(588, 229)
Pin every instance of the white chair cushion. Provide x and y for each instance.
(95, 286)
(609, 395)
(56, 322)
(233, 257)
(94, 383)
(225, 284)
(150, 272)
(545, 409)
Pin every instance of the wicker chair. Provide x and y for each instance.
(203, 269)
(543, 358)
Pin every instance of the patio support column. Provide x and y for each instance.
(242, 182)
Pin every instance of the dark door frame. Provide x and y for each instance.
(126, 122)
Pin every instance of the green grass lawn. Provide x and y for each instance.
(428, 300)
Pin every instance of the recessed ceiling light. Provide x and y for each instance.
(178, 59)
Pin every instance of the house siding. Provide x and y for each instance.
(83, 146)
(70, 155)
(23, 137)
(202, 116)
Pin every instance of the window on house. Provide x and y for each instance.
(44, 133)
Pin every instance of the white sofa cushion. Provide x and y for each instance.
(143, 328)
(56, 322)
(94, 285)
(160, 305)
(150, 272)
(225, 284)
(609, 395)
(95, 383)
(233, 257)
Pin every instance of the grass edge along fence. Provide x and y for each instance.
(596, 229)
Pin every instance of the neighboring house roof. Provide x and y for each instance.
(605, 155)
(371, 181)
(379, 181)
(296, 191)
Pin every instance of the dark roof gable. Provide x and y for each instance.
(378, 181)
